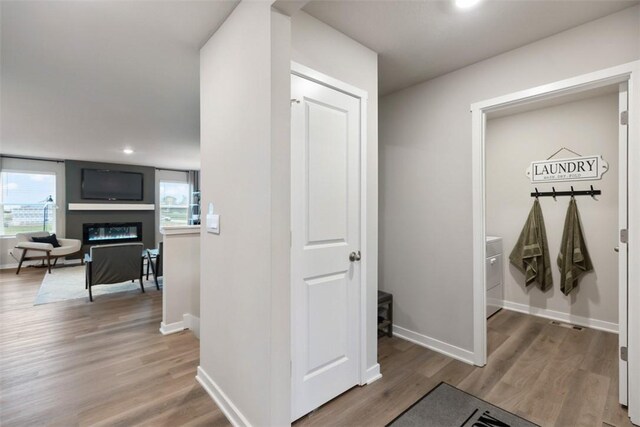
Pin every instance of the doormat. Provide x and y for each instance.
(447, 406)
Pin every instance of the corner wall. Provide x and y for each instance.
(244, 314)
(324, 49)
(425, 170)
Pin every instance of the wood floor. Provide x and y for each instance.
(551, 375)
(105, 363)
(102, 363)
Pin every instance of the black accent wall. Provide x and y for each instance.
(75, 219)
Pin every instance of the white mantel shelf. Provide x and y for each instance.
(111, 207)
(180, 229)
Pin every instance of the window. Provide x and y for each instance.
(28, 202)
(174, 203)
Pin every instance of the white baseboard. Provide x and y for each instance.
(189, 321)
(9, 266)
(31, 263)
(434, 344)
(192, 323)
(172, 328)
(225, 404)
(561, 317)
(373, 374)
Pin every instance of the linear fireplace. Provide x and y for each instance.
(111, 232)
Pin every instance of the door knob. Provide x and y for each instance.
(355, 256)
(617, 249)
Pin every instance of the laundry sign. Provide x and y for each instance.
(573, 169)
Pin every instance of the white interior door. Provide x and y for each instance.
(325, 244)
(622, 245)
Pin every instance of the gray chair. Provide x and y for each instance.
(154, 260)
(107, 264)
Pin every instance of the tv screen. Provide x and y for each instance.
(100, 184)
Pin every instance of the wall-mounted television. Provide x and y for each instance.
(101, 184)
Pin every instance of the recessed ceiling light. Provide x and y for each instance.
(127, 151)
(466, 4)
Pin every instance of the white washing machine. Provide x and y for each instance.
(495, 275)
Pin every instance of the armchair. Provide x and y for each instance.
(107, 264)
(27, 250)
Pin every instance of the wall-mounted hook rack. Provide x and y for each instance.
(591, 192)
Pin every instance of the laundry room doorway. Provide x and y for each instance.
(551, 172)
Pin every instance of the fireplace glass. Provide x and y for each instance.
(106, 233)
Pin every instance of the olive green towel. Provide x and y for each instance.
(531, 253)
(573, 258)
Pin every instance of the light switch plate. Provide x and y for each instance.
(213, 223)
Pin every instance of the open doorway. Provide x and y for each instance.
(586, 115)
(578, 132)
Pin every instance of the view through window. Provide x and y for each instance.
(174, 203)
(27, 200)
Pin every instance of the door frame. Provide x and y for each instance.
(629, 72)
(332, 83)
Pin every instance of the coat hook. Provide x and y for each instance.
(554, 193)
(537, 194)
(572, 191)
(592, 192)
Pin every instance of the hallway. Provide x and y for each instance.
(74, 363)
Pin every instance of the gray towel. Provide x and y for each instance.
(573, 258)
(531, 253)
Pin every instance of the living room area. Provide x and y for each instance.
(102, 295)
(90, 224)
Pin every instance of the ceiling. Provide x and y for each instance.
(420, 40)
(85, 79)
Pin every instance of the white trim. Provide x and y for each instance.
(561, 317)
(625, 72)
(189, 321)
(61, 261)
(192, 323)
(594, 80)
(180, 229)
(373, 374)
(434, 344)
(325, 80)
(633, 264)
(10, 266)
(478, 121)
(623, 258)
(364, 262)
(112, 207)
(172, 328)
(228, 408)
(320, 78)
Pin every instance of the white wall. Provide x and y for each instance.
(322, 48)
(589, 127)
(280, 391)
(181, 279)
(244, 322)
(57, 167)
(425, 169)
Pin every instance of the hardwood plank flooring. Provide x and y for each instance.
(77, 363)
(102, 363)
(551, 375)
